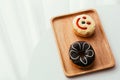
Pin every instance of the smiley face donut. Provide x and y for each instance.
(83, 25)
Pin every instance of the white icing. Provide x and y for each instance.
(73, 57)
(79, 45)
(84, 45)
(75, 48)
(75, 51)
(88, 53)
(87, 50)
(84, 62)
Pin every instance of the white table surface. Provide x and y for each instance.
(27, 45)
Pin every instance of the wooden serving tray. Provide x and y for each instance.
(62, 27)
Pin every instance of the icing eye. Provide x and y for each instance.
(83, 22)
(88, 23)
(84, 17)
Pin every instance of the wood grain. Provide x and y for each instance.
(62, 27)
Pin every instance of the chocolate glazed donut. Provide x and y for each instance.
(81, 53)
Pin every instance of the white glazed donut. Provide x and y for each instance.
(83, 25)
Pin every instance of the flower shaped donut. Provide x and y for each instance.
(81, 53)
(83, 25)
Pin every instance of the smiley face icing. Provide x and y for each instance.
(83, 25)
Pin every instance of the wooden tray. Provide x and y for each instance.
(62, 27)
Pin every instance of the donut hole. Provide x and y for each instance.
(81, 53)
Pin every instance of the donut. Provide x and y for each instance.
(82, 54)
(83, 25)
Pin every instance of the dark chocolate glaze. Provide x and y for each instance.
(81, 53)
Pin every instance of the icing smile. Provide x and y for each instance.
(83, 28)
